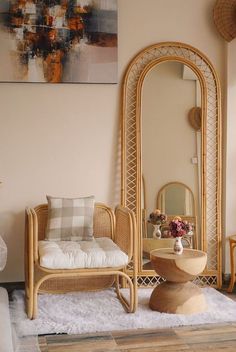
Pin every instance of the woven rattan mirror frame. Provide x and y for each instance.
(131, 170)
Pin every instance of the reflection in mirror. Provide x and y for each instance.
(144, 209)
(171, 150)
(175, 198)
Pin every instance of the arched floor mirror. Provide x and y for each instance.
(160, 145)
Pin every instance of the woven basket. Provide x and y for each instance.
(224, 15)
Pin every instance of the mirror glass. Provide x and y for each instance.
(171, 152)
(176, 199)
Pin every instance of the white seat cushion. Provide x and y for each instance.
(98, 253)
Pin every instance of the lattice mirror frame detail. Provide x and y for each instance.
(211, 149)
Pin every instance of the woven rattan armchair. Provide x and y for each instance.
(119, 226)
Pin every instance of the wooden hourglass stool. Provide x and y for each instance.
(232, 245)
(177, 294)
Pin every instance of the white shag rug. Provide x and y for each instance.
(90, 312)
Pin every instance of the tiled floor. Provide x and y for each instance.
(204, 338)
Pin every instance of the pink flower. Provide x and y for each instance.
(179, 228)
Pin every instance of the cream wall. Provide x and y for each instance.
(62, 139)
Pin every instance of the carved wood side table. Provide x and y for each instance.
(177, 294)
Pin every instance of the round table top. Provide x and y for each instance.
(168, 253)
(178, 267)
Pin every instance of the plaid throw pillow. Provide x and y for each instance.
(70, 219)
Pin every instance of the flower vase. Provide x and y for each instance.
(156, 231)
(178, 247)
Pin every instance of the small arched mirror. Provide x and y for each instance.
(173, 199)
(176, 198)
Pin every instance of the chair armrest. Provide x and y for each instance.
(29, 253)
(125, 233)
(31, 230)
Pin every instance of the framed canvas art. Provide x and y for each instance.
(58, 41)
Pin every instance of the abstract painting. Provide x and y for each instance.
(58, 41)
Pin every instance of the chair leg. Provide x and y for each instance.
(135, 285)
(29, 305)
(232, 281)
(35, 303)
(128, 306)
(29, 298)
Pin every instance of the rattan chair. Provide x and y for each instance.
(119, 226)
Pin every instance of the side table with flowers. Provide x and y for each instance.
(156, 218)
(179, 228)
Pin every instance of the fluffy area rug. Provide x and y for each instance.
(90, 312)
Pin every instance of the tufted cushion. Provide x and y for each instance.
(70, 219)
(100, 253)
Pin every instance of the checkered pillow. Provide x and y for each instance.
(70, 219)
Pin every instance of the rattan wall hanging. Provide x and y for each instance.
(224, 15)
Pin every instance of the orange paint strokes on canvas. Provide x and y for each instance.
(53, 67)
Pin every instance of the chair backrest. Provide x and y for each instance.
(103, 222)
